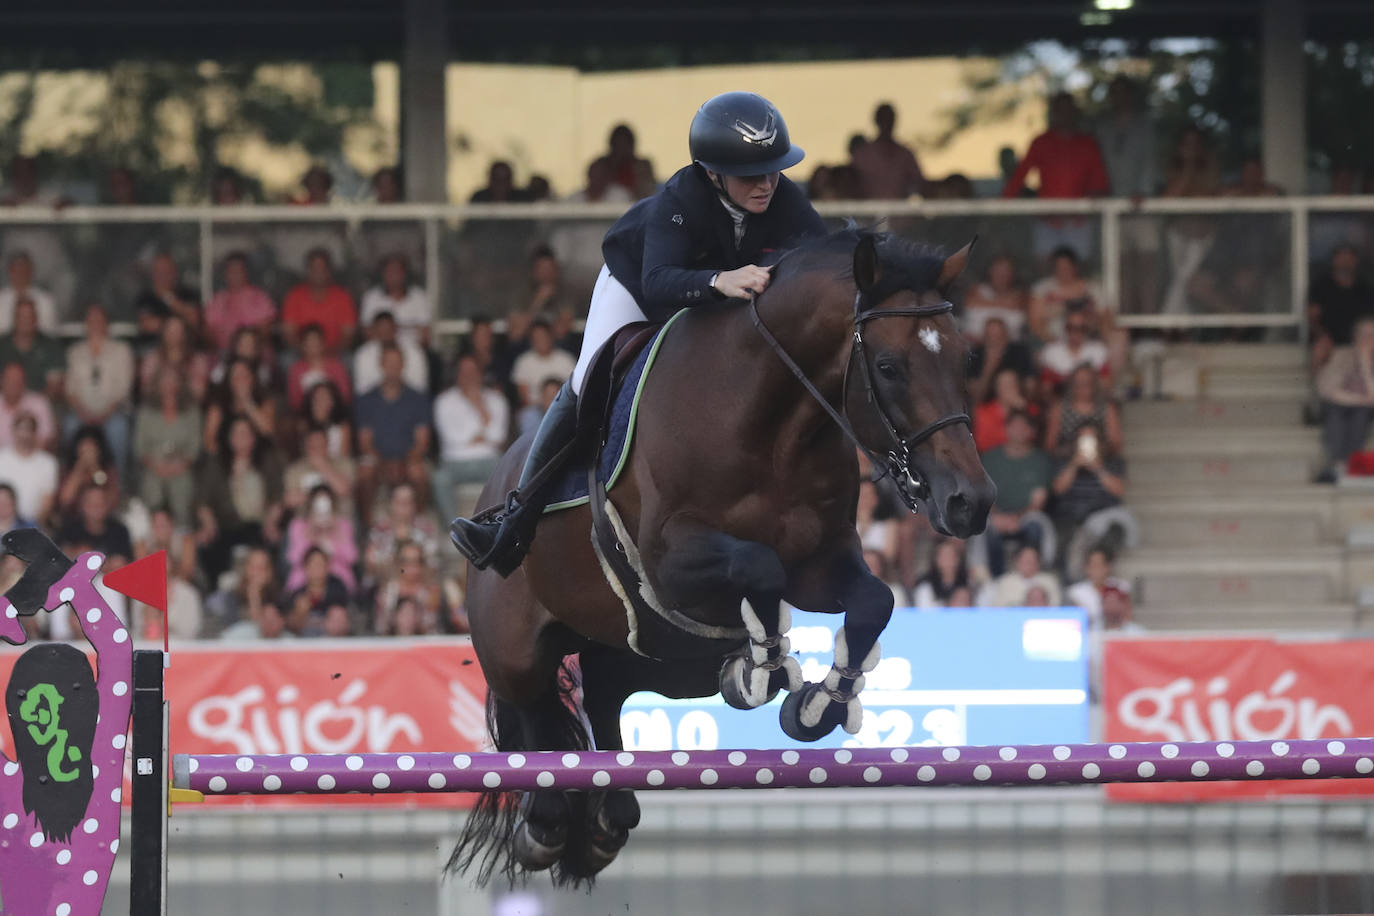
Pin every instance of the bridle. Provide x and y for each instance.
(911, 485)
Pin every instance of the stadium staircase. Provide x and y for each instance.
(1234, 534)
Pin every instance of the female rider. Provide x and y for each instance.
(697, 241)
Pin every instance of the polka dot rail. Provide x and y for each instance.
(1033, 765)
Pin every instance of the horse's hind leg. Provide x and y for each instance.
(542, 833)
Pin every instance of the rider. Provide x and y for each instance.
(697, 241)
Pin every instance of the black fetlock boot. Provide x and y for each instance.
(500, 537)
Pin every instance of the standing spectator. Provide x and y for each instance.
(1346, 387)
(1337, 300)
(1193, 172)
(1084, 403)
(41, 356)
(89, 464)
(100, 384)
(16, 398)
(238, 611)
(991, 418)
(94, 526)
(947, 574)
(1013, 587)
(629, 171)
(321, 526)
(318, 184)
(315, 467)
(121, 187)
(1087, 509)
(996, 354)
(1060, 358)
(325, 409)
(167, 295)
(320, 301)
(541, 361)
(1022, 473)
(367, 361)
(1091, 592)
(538, 189)
(601, 187)
(472, 422)
(31, 471)
(1064, 292)
(500, 187)
(239, 305)
(886, 169)
(238, 499)
(403, 523)
(174, 351)
(387, 187)
(548, 294)
(1126, 137)
(19, 269)
(316, 365)
(393, 433)
(320, 595)
(226, 188)
(405, 301)
(1001, 296)
(240, 397)
(1252, 182)
(414, 581)
(166, 442)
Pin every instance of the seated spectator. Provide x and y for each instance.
(367, 361)
(404, 522)
(320, 591)
(538, 189)
(237, 612)
(481, 346)
(601, 188)
(174, 351)
(316, 365)
(238, 499)
(1252, 182)
(1338, 299)
(239, 305)
(626, 169)
(247, 344)
(321, 527)
(42, 357)
(947, 574)
(393, 433)
(472, 422)
(319, 300)
(990, 418)
(89, 464)
(997, 353)
(878, 565)
(1022, 473)
(121, 188)
(500, 187)
(1091, 592)
(10, 519)
(167, 295)
(183, 618)
(886, 169)
(326, 410)
(413, 579)
(406, 302)
(16, 398)
(1088, 488)
(240, 397)
(226, 188)
(167, 441)
(31, 471)
(1000, 296)
(1064, 292)
(1060, 358)
(100, 384)
(1083, 402)
(540, 362)
(875, 533)
(387, 185)
(164, 533)
(1346, 388)
(94, 525)
(533, 414)
(548, 295)
(317, 184)
(1012, 588)
(19, 269)
(315, 467)
(1193, 171)
(407, 620)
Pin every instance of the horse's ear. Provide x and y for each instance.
(866, 263)
(954, 266)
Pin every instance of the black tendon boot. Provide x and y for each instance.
(499, 537)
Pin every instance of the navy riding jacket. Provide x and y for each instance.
(666, 248)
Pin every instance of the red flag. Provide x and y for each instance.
(144, 580)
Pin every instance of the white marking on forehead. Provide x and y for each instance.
(931, 338)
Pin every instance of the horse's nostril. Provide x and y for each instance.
(958, 509)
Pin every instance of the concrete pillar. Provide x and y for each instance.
(1283, 94)
(424, 143)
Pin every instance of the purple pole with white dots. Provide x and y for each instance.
(1014, 765)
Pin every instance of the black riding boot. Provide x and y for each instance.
(501, 536)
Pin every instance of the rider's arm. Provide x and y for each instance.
(668, 244)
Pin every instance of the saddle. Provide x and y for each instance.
(609, 367)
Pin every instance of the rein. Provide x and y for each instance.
(897, 462)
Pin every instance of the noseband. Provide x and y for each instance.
(911, 485)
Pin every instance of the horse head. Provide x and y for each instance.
(907, 396)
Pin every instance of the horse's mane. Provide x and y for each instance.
(902, 263)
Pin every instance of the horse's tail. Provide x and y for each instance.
(484, 846)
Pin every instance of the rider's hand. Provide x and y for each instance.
(736, 284)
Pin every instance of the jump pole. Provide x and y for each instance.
(809, 768)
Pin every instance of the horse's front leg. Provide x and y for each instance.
(845, 584)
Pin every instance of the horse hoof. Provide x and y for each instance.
(744, 685)
(536, 853)
(794, 715)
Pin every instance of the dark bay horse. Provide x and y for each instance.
(740, 494)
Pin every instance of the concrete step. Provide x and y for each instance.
(1333, 616)
(1208, 592)
(1248, 385)
(1210, 414)
(1152, 441)
(1219, 469)
(1227, 531)
(1248, 356)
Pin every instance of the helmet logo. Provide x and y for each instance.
(761, 136)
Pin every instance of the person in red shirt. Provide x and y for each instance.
(319, 300)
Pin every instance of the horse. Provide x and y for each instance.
(740, 495)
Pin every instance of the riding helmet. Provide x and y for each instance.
(741, 133)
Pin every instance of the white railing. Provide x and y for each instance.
(437, 219)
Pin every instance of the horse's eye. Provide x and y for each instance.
(889, 369)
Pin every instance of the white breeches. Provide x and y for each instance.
(612, 308)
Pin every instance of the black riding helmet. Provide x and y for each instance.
(741, 133)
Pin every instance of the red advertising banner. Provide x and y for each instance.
(326, 697)
(1236, 689)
